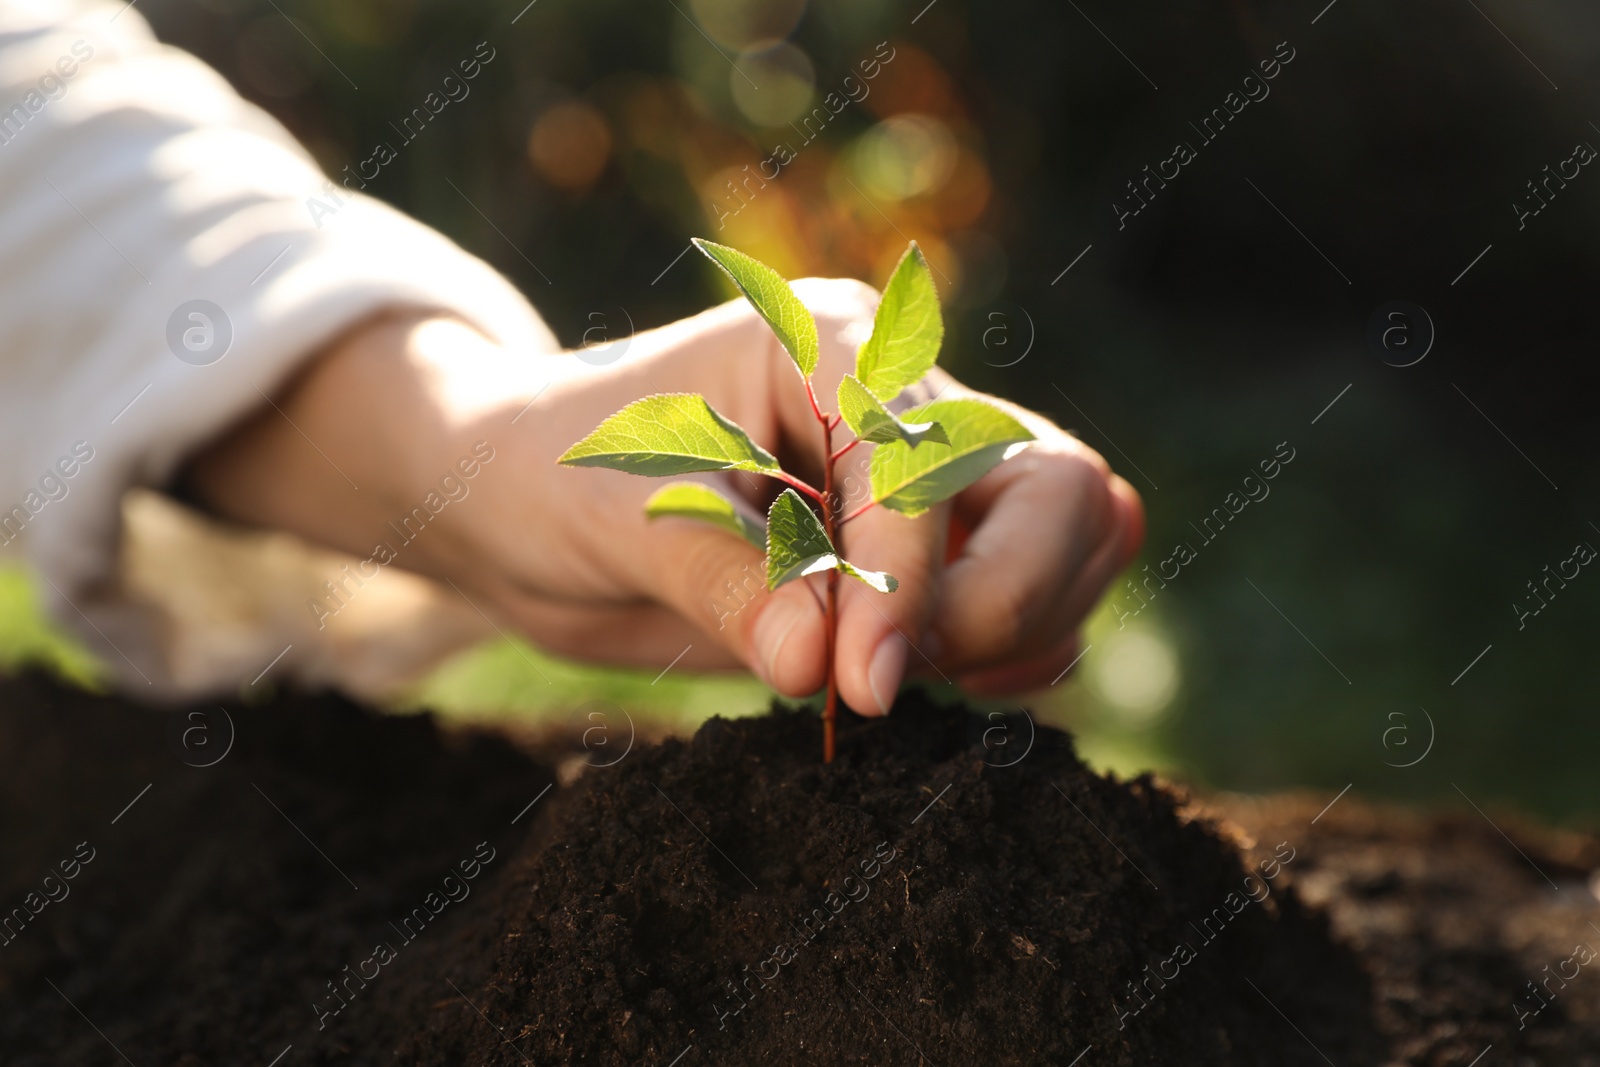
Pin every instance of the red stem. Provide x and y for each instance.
(831, 503)
(811, 395)
(863, 508)
(785, 476)
(830, 516)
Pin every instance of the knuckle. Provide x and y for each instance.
(1095, 495)
(1079, 460)
(1081, 479)
(1096, 462)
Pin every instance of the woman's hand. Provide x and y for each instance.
(567, 556)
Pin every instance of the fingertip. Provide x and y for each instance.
(885, 671)
(1130, 518)
(874, 647)
(787, 643)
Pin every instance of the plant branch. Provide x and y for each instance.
(791, 480)
(830, 516)
(811, 395)
(868, 506)
(840, 454)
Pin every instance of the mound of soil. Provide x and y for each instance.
(309, 882)
(732, 900)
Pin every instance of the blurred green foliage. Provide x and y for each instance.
(27, 640)
(1185, 344)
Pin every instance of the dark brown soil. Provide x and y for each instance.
(345, 887)
(1454, 921)
(731, 897)
(216, 907)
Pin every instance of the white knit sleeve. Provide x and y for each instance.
(161, 268)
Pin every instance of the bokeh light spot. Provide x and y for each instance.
(570, 145)
(905, 156)
(740, 24)
(1136, 673)
(773, 84)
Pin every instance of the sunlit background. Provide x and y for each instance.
(1187, 346)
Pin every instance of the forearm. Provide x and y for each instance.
(379, 419)
(360, 438)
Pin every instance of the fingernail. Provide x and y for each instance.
(772, 630)
(888, 667)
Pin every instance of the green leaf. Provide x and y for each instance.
(771, 296)
(882, 581)
(871, 421)
(911, 480)
(797, 544)
(694, 500)
(670, 433)
(906, 332)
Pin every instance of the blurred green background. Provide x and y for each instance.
(1321, 637)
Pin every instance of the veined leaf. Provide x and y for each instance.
(670, 433)
(871, 421)
(694, 500)
(797, 544)
(911, 480)
(906, 331)
(882, 581)
(771, 296)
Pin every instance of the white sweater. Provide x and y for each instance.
(133, 183)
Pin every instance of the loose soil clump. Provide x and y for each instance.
(348, 887)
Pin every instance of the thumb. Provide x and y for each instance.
(718, 582)
(881, 636)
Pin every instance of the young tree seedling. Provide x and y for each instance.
(920, 458)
